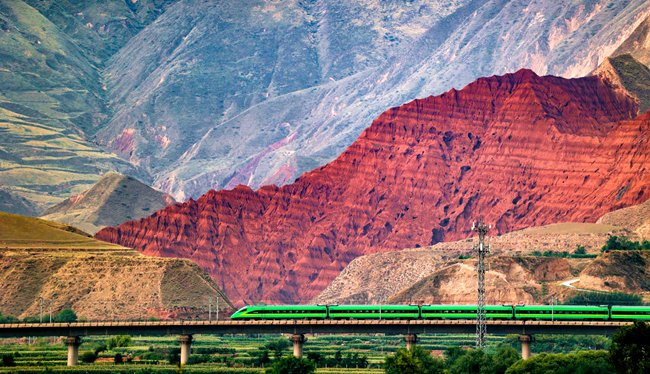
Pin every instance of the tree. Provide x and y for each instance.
(580, 250)
(473, 361)
(604, 298)
(338, 359)
(261, 357)
(277, 347)
(318, 359)
(118, 341)
(8, 360)
(100, 348)
(504, 357)
(66, 315)
(292, 365)
(417, 361)
(621, 243)
(630, 349)
(118, 359)
(88, 357)
(8, 319)
(585, 362)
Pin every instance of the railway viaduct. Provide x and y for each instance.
(297, 329)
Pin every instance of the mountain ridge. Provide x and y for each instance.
(268, 129)
(372, 197)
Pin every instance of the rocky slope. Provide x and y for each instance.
(628, 68)
(519, 149)
(618, 271)
(628, 76)
(637, 44)
(210, 94)
(635, 219)
(370, 278)
(113, 200)
(99, 281)
(12, 203)
(526, 280)
(216, 94)
(508, 280)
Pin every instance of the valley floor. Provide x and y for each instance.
(241, 354)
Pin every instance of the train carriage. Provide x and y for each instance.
(561, 312)
(374, 312)
(281, 312)
(630, 312)
(465, 311)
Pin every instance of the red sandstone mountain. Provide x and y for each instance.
(518, 150)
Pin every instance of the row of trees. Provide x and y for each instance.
(604, 298)
(64, 316)
(621, 243)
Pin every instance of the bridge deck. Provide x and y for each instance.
(307, 327)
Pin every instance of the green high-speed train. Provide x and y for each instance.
(406, 312)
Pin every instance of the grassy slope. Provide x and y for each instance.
(100, 27)
(17, 232)
(98, 280)
(635, 77)
(52, 94)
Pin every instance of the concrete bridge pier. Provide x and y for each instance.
(525, 345)
(186, 343)
(410, 340)
(298, 340)
(73, 343)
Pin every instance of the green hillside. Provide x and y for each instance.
(52, 97)
(100, 27)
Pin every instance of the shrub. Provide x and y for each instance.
(595, 362)
(88, 357)
(292, 365)
(119, 341)
(604, 298)
(118, 359)
(417, 361)
(66, 315)
(8, 360)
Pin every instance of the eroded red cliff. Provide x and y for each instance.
(518, 150)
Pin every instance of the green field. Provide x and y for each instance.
(239, 354)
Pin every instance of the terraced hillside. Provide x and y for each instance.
(51, 98)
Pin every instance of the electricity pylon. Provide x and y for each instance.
(482, 229)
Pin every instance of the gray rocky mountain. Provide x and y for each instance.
(215, 94)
